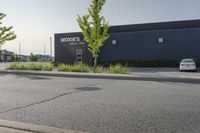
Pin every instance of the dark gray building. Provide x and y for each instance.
(164, 41)
(5, 56)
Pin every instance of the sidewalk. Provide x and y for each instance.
(17, 127)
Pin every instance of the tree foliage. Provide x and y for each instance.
(5, 32)
(94, 28)
(33, 58)
(15, 58)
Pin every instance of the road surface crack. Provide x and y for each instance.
(50, 99)
(40, 102)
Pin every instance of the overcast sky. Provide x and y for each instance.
(34, 21)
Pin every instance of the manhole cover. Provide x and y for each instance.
(88, 89)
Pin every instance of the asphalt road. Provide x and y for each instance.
(101, 106)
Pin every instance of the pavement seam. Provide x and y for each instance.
(40, 102)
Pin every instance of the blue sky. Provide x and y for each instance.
(34, 21)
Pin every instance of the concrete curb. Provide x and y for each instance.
(185, 79)
(18, 127)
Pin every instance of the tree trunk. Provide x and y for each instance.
(95, 64)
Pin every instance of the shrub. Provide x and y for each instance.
(80, 68)
(30, 66)
(47, 67)
(74, 68)
(36, 66)
(22, 66)
(99, 69)
(12, 66)
(118, 69)
(64, 68)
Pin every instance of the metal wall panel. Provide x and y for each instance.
(169, 44)
(145, 45)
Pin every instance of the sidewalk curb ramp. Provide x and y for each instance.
(18, 127)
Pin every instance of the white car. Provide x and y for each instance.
(188, 65)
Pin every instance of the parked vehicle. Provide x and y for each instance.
(188, 65)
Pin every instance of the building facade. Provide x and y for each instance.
(163, 41)
(5, 56)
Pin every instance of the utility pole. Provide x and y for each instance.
(20, 51)
(44, 52)
(51, 52)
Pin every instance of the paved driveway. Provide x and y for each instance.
(101, 106)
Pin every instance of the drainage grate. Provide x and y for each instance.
(88, 89)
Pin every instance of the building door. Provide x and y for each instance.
(79, 55)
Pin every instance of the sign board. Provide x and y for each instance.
(72, 40)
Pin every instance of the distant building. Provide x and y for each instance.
(5, 56)
(24, 58)
(44, 57)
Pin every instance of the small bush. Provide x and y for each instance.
(80, 68)
(30, 66)
(12, 66)
(18, 66)
(47, 67)
(36, 66)
(118, 69)
(64, 68)
(22, 66)
(74, 68)
(99, 69)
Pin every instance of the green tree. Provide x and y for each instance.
(5, 32)
(15, 58)
(94, 28)
(33, 58)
